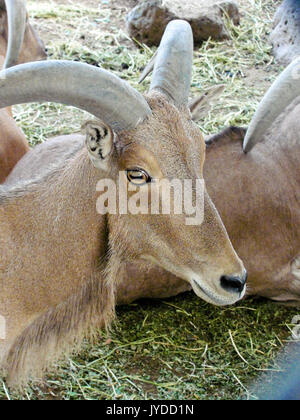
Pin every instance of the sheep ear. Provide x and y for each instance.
(201, 105)
(99, 142)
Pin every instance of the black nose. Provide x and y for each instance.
(234, 284)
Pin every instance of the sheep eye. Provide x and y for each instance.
(138, 176)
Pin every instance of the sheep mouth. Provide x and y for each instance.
(210, 297)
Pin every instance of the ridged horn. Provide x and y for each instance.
(172, 72)
(281, 94)
(94, 90)
(16, 19)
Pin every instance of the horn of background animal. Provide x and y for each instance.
(172, 72)
(281, 94)
(16, 19)
(94, 90)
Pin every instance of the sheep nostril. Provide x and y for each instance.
(233, 283)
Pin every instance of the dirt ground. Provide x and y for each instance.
(108, 16)
(94, 31)
(106, 24)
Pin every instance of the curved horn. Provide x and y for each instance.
(16, 19)
(96, 91)
(282, 93)
(173, 64)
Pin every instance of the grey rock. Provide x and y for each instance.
(148, 20)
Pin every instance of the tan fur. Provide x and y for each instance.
(258, 198)
(52, 239)
(60, 330)
(13, 144)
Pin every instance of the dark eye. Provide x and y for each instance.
(138, 176)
